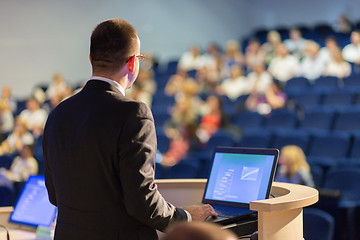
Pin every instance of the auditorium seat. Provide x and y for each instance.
(352, 82)
(339, 99)
(348, 121)
(160, 99)
(281, 118)
(6, 196)
(248, 120)
(318, 224)
(318, 119)
(355, 148)
(308, 99)
(256, 138)
(6, 160)
(317, 173)
(186, 168)
(161, 116)
(163, 142)
(326, 83)
(329, 146)
(296, 85)
(172, 67)
(221, 138)
(291, 137)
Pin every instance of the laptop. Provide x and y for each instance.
(33, 207)
(237, 177)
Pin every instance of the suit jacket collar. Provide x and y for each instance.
(98, 84)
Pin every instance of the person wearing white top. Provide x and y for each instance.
(312, 66)
(259, 80)
(296, 43)
(337, 66)
(351, 52)
(191, 60)
(235, 86)
(34, 116)
(284, 66)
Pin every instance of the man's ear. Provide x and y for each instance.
(131, 64)
(90, 59)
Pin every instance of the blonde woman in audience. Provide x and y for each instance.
(337, 66)
(17, 139)
(233, 55)
(21, 168)
(284, 66)
(6, 121)
(57, 86)
(312, 66)
(234, 86)
(269, 47)
(6, 100)
(293, 167)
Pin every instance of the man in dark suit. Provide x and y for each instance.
(99, 149)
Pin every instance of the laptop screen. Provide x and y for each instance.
(33, 207)
(240, 175)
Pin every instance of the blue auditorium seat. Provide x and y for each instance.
(186, 168)
(318, 224)
(329, 147)
(355, 148)
(256, 138)
(296, 85)
(5, 161)
(348, 121)
(317, 173)
(352, 82)
(326, 83)
(221, 138)
(280, 119)
(161, 116)
(172, 67)
(318, 119)
(308, 99)
(248, 119)
(6, 196)
(160, 99)
(163, 142)
(339, 99)
(291, 137)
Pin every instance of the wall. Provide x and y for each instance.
(41, 37)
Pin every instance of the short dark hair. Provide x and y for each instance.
(111, 43)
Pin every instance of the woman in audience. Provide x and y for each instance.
(6, 101)
(253, 54)
(211, 120)
(143, 88)
(191, 60)
(235, 86)
(351, 52)
(34, 117)
(17, 139)
(293, 167)
(296, 43)
(175, 83)
(330, 44)
(6, 121)
(312, 66)
(284, 66)
(233, 55)
(21, 168)
(269, 47)
(57, 86)
(337, 66)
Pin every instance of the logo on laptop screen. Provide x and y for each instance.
(249, 173)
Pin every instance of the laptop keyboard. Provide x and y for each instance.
(226, 211)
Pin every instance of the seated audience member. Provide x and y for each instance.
(198, 231)
(6, 101)
(284, 66)
(330, 44)
(232, 55)
(17, 139)
(253, 54)
(57, 86)
(212, 59)
(21, 168)
(351, 52)
(191, 60)
(343, 25)
(211, 120)
(312, 66)
(235, 86)
(175, 83)
(259, 80)
(269, 47)
(208, 80)
(337, 66)
(296, 43)
(6, 121)
(143, 88)
(34, 117)
(274, 98)
(293, 167)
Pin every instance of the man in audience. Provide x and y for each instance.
(312, 66)
(99, 151)
(34, 117)
(351, 52)
(296, 43)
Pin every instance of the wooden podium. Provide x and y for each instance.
(279, 218)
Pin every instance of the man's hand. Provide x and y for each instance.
(200, 212)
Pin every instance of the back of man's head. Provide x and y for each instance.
(112, 43)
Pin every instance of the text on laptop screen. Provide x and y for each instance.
(33, 207)
(239, 178)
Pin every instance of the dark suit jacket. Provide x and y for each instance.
(99, 149)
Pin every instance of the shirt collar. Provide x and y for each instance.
(112, 82)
